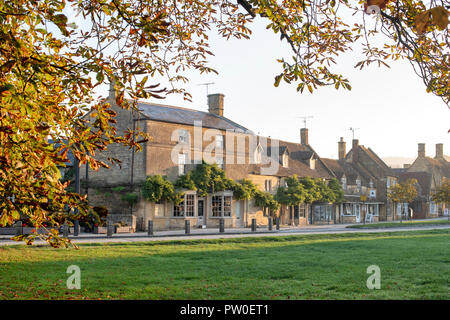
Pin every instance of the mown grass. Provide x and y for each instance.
(414, 265)
(405, 224)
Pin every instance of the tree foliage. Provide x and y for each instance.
(292, 194)
(244, 190)
(56, 54)
(205, 178)
(336, 189)
(266, 200)
(442, 193)
(157, 188)
(404, 192)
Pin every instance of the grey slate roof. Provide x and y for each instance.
(179, 115)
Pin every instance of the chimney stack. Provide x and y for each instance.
(421, 150)
(341, 149)
(355, 150)
(304, 136)
(215, 104)
(439, 151)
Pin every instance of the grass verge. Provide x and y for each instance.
(413, 265)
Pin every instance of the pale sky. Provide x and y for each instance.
(389, 106)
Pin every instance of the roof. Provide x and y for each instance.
(296, 164)
(335, 166)
(386, 169)
(186, 116)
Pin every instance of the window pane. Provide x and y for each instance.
(189, 200)
(227, 206)
(178, 210)
(216, 206)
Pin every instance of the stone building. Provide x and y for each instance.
(365, 179)
(181, 138)
(430, 172)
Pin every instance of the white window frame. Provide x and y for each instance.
(344, 183)
(285, 160)
(433, 208)
(192, 195)
(257, 155)
(181, 164)
(219, 141)
(223, 211)
(183, 136)
(344, 213)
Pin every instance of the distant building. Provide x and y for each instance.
(430, 172)
(365, 179)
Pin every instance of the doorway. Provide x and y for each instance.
(201, 212)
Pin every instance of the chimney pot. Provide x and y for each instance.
(304, 136)
(439, 151)
(421, 150)
(215, 104)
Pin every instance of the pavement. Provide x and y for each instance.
(213, 233)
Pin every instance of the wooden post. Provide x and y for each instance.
(76, 228)
(253, 225)
(221, 225)
(109, 229)
(150, 228)
(65, 230)
(19, 228)
(187, 226)
(278, 223)
(270, 223)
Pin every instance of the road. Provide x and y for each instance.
(229, 233)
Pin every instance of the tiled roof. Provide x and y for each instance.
(296, 163)
(442, 165)
(173, 114)
(387, 170)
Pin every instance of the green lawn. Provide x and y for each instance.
(398, 224)
(414, 265)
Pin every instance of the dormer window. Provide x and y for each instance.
(183, 136)
(312, 163)
(285, 160)
(344, 183)
(258, 154)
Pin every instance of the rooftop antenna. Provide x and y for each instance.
(353, 132)
(207, 84)
(305, 118)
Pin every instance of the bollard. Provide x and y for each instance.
(187, 226)
(221, 225)
(278, 223)
(150, 228)
(65, 230)
(19, 228)
(270, 224)
(253, 225)
(76, 228)
(109, 230)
